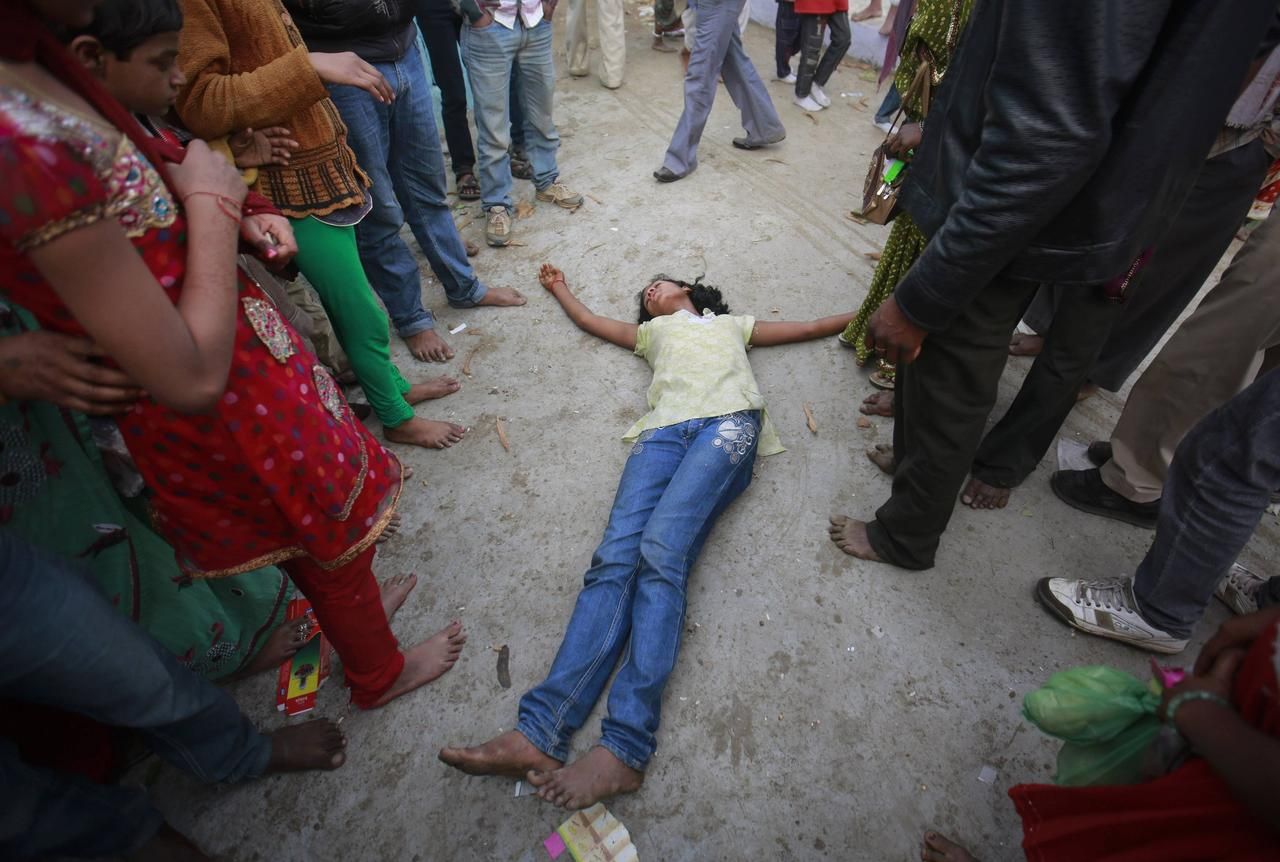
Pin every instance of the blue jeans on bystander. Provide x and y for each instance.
(677, 481)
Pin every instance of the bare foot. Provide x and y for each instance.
(502, 297)
(282, 644)
(938, 848)
(436, 387)
(850, 536)
(887, 26)
(660, 44)
(1087, 391)
(426, 433)
(509, 754)
(426, 346)
(427, 661)
(316, 744)
(597, 775)
(881, 455)
(979, 495)
(168, 845)
(392, 527)
(1023, 344)
(394, 591)
(878, 404)
(873, 10)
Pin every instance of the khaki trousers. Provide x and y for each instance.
(1217, 353)
(611, 27)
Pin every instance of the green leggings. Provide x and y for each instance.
(328, 257)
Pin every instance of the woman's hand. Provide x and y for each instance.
(253, 148)
(1235, 633)
(204, 172)
(903, 141)
(347, 68)
(48, 366)
(1217, 680)
(272, 236)
(548, 276)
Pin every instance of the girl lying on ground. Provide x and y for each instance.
(691, 456)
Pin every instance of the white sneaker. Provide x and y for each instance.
(1238, 590)
(1107, 609)
(818, 96)
(789, 79)
(807, 103)
(884, 127)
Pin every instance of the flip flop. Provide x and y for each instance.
(468, 187)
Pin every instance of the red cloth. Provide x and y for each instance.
(821, 7)
(1186, 816)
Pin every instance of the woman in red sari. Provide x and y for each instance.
(1223, 803)
(250, 452)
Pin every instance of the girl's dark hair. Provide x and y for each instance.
(703, 296)
(122, 25)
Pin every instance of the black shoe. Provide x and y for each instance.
(1085, 490)
(664, 174)
(745, 143)
(1099, 452)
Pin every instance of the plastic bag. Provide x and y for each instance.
(1106, 718)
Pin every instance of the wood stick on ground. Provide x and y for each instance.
(596, 199)
(466, 365)
(502, 433)
(466, 222)
(808, 417)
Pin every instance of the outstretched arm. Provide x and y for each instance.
(616, 331)
(771, 332)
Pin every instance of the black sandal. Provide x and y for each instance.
(468, 187)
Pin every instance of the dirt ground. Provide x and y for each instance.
(823, 708)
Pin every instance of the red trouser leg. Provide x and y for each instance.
(349, 608)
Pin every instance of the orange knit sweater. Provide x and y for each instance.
(247, 67)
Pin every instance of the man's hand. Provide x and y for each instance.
(271, 236)
(483, 21)
(892, 336)
(254, 148)
(347, 68)
(903, 141)
(48, 366)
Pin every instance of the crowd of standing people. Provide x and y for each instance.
(1078, 167)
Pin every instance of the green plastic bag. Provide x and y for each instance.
(1106, 718)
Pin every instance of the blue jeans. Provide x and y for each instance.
(1220, 482)
(889, 106)
(398, 146)
(675, 484)
(63, 645)
(490, 53)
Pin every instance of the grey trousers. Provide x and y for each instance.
(1218, 351)
(718, 51)
(1222, 479)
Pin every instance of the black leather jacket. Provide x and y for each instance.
(380, 31)
(1064, 138)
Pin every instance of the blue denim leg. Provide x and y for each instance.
(537, 73)
(889, 105)
(489, 54)
(517, 111)
(716, 469)
(1220, 482)
(417, 172)
(387, 260)
(63, 645)
(676, 482)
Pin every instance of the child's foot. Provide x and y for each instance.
(873, 10)
(316, 744)
(660, 44)
(282, 644)
(807, 103)
(502, 297)
(979, 495)
(426, 346)
(937, 848)
(509, 754)
(851, 537)
(426, 433)
(436, 387)
(394, 592)
(878, 404)
(597, 775)
(887, 26)
(427, 661)
(881, 455)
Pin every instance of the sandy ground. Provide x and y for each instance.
(823, 708)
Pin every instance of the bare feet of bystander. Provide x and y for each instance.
(427, 661)
(850, 536)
